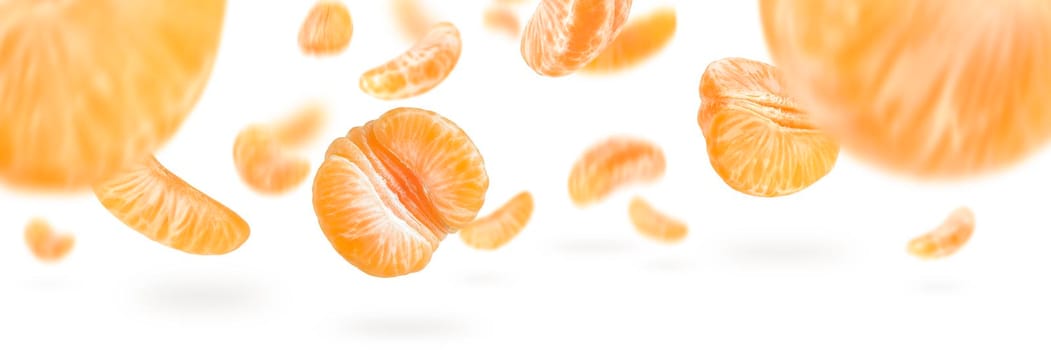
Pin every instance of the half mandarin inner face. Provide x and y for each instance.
(390, 191)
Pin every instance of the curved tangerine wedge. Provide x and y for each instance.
(327, 29)
(88, 86)
(44, 243)
(759, 141)
(611, 164)
(158, 204)
(501, 226)
(946, 239)
(654, 224)
(641, 39)
(502, 18)
(263, 154)
(417, 70)
(389, 191)
(564, 35)
(413, 19)
(925, 89)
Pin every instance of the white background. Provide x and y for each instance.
(824, 268)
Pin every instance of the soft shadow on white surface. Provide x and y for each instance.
(796, 253)
(407, 327)
(206, 295)
(669, 264)
(938, 286)
(593, 247)
(485, 279)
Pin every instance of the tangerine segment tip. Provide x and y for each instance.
(418, 70)
(655, 224)
(148, 198)
(946, 239)
(611, 164)
(501, 226)
(641, 39)
(44, 243)
(562, 36)
(327, 28)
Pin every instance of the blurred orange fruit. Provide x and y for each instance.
(158, 204)
(946, 239)
(264, 153)
(611, 164)
(327, 28)
(390, 191)
(925, 89)
(88, 86)
(413, 19)
(417, 70)
(654, 224)
(564, 35)
(501, 226)
(759, 140)
(502, 18)
(44, 243)
(641, 38)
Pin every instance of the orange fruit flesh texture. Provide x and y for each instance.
(964, 95)
(641, 39)
(654, 224)
(92, 85)
(413, 19)
(759, 140)
(418, 70)
(263, 154)
(158, 204)
(327, 28)
(502, 18)
(501, 226)
(44, 243)
(947, 238)
(389, 191)
(611, 164)
(564, 35)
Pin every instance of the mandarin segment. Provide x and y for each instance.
(947, 238)
(151, 200)
(390, 191)
(924, 89)
(44, 243)
(418, 70)
(564, 35)
(501, 226)
(654, 224)
(503, 19)
(613, 163)
(641, 39)
(264, 153)
(327, 28)
(76, 104)
(759, 140)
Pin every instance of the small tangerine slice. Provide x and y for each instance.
(158, 204)
(946, 239)
(390, 191)
(501, 226)
(611, 164)
(653, 224)
(564, 35)
(263, 154)
(44, 243)
(759, 141)
(640, 39)
(327, 28)
(502, 18)
(417, 70)
(414, 20)
(88, 86)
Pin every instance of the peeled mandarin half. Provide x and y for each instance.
(613, 163)
(87, 86)
(327, 28)
(946, 239)
(390, 191)
(641, 39)
(264, 154)
(500, 226)
(44, 243)
(158, 204)
(654, 224)
(417, 70)
(759, 140)
(564, 35)
(924, 89)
